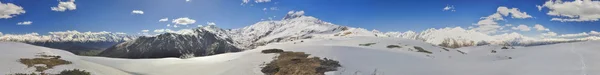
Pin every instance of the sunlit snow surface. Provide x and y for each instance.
(579, 58)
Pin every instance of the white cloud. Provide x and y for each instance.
(539, 7)
(574, 35)
(256, 1)
(264, 9)
(489, 25)
(539, 27)
(199, 25)
(183, 21)
(163, 20)
(594, 33)
(449, 8)
(159, 30)
(211, 23)
(578, 10)
(273, 8)
(262, 1)
(549, 34)
(514, 12)
(145, 31)
(187, 0)
(168, 25)
(137, 12)
(63, 6)
(522, 28)
(25, 23)
(9, 10)
(245, 1)
(175, 26)
(508, 25)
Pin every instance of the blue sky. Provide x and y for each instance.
(383, 15)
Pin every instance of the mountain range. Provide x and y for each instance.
(209, 40)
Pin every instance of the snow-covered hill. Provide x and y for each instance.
(579, 58)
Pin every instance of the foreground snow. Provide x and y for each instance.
(579, 58)
(12, 52)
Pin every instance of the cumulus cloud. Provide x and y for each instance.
(514, 12)
(183, 21)
(522, 28)
(63, 6)
(594, 33)
(187, 0)
(9, 10)
(449, 8)
(489, 25)
(25, 23)
(578, 10)
(163, 20)
(549, 34)
(539, 27)
(137, 12)
(539, 7)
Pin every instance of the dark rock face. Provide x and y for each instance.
(201, 43)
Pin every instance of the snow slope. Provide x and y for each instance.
(579, 58)
(12, 52)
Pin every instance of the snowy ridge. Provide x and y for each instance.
(294, 26)
(463, 37)
(68, 36)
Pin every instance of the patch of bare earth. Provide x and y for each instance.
(298, 63)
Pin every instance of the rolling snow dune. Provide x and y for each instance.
(578, 58)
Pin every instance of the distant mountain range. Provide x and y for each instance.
(210, 40)
(73, 41)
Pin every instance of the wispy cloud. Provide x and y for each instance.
(137, 12)
(25, 23)
(449, 8)
(183, 21)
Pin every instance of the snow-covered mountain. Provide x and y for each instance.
(73, 41)
(68, 36)
(293, 26)
(203, 41)
(448, 37)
